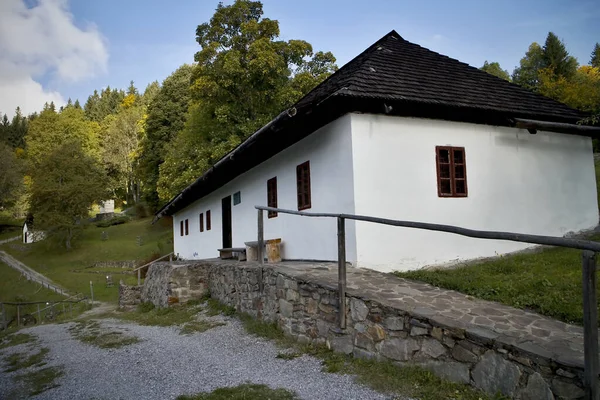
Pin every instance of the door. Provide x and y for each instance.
(226, 210)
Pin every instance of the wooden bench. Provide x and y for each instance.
(232, 252)
(273, 252)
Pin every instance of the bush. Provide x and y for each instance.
(113, 221)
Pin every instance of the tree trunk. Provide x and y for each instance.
(68, 240)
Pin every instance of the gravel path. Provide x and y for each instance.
(166, 364)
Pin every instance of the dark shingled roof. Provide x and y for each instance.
(395, 69)
(395, 77)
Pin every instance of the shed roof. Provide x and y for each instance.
(393, 76)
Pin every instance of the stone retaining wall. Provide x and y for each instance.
(113, 264)
(129, 296)
(307, 311)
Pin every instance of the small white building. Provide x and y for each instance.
(30, 235)
(107, 207)
(404, 133)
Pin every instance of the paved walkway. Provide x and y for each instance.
(527, 331)
(31, 274)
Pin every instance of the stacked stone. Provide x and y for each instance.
(308, 312)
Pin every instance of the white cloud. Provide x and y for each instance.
(44, 40)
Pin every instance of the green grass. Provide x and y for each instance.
(10, 339)
(92, 333)
(288, 355)
(56, 263)
(41, 380)
(9, 234)
(246, 391)
(179, 315)
(17, 361)
(198, 327)
(546, 281)
(15, 288)
(215, 307)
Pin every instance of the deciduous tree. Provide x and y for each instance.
(526, 74)
(11, 176)
(245, 75)
(64, 187)
(166, 115)
(494, 68)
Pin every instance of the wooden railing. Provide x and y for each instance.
(139, 269)
(588, 257)
(49, 305)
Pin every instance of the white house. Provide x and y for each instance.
(405, 133)
(30, 235)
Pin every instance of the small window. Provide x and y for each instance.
(303, 185)
(451, 171)
(201, 222)
(181, 228)
(237, 198)
(208, 220)
(272, 196)
(187, 228)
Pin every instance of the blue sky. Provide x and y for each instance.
(147, 40)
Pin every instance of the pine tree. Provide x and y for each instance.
(595, 60)
(557, 58)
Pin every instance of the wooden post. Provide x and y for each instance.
(39, 314)
(341, 228)
(71, 309)
(18, 315)
(4, 320)
(64, 311)
(261, 238)
(139, 277)
(590, 326)
(92, 292)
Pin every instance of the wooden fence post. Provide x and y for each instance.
(261, 238)
(92, 292)
(18, 315)
(341, 228)
(590, 325)
(139, 277)
(39, 314)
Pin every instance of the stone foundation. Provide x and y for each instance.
(129, 296)
(308, 312)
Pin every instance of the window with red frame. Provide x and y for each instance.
(451, 171)
(272, 196)
(303, 185)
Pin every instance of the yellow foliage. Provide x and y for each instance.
(20, 153)
(582, 91)
(128, 101)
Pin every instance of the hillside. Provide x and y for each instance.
(137, 240)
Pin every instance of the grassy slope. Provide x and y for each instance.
(56, 263)
(14, 288)
(548, 282)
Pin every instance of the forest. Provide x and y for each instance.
(141, 147)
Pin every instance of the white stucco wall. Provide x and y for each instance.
(329, 151)
(537, 184)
